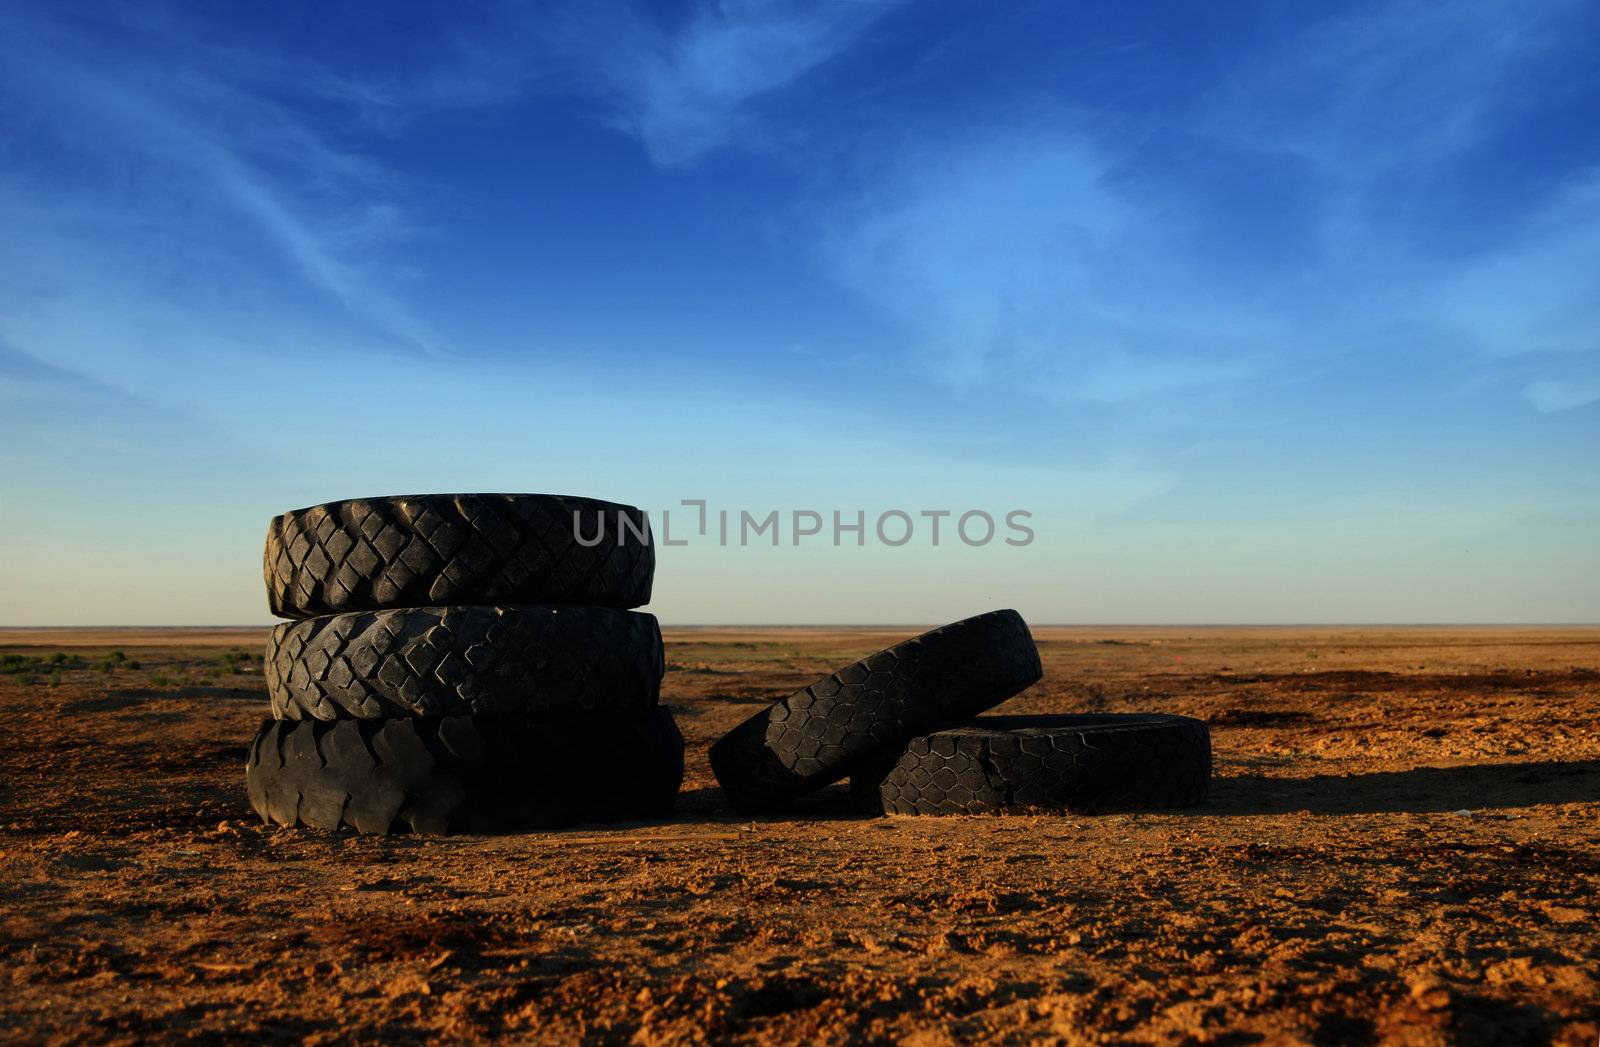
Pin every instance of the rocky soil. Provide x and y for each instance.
(1403, 845)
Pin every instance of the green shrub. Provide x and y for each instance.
(114, 661)
(236, 661)
(29, 665)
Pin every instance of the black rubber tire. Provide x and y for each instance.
(458, 661)
(465, 773)
(373, 554)
(1086, 764)
(815, 736)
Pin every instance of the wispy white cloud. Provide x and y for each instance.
(20, 371)
(1524, 313)
(1014, 255)
(687, 92)
(1385, 85)
(1031, 253)
(683, 87)
(1535, 293)
(166, 140)
(1560, 394)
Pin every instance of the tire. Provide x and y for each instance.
(814, 736)
(1084, 764)
(457, 661)
(373, 554)
(463, 773)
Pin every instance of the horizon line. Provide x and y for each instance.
(925, 624)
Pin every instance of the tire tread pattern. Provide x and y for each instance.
(1085, 764)
(369, 554)
(814, 736)
(464, 773)
(452, 661)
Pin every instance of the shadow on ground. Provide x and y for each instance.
(709, 804)
(1423, 789)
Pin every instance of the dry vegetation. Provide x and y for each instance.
(1403, 844)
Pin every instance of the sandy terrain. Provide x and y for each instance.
(1403, 845)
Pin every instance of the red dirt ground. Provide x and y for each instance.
(1403, 845)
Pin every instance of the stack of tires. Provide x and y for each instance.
(903, 725)
(463, 662)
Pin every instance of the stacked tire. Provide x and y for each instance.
(903, 726)
(463, 663)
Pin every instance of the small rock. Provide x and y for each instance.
(1564, 914)
(1431, 994)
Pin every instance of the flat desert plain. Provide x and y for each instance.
(1402, 845)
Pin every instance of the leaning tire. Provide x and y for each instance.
(461, 773)
(814, 736)
(455, 661)
(369, 554)
(1086, 763)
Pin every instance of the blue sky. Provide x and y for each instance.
(1265, 314)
